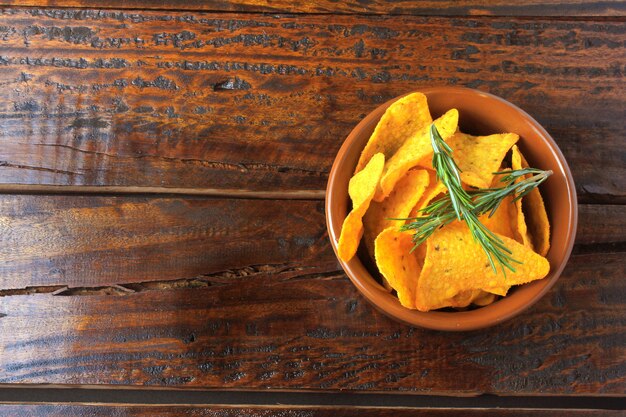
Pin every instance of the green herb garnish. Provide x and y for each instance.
(459, 204)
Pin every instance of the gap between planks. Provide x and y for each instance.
(201, 281)
(136, 190)
(132, 395)
(130, 190)
(222, 278)
(476, 13)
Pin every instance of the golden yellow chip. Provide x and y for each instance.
(398, 265)
(398, 205)
(536, 217)
(502, 221)
(521, 230)
(434, 189)
(465, 298)
(455, 263)
(484, 298)
(462, 299)
(478, 157)
(412, 150)
(401, 120)
(361, 189)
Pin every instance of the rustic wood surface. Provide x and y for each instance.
(206, 323)
(98, 241)
(70, 410)
(395, 7)
(256, 102)
(275, 332)
(162, 176)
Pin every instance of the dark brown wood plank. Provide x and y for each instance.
(70, 410)
(397, 7)
(600, 224)
(59, 241)
(275, 331)
(100, 241)
(258, 102)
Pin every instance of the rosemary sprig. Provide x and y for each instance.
(489, 199)
(448, 173)
(467, 206)
(486, 200)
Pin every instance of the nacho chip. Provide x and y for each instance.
(521, 231)
(397, 264)
(536, 217)
(398, 205)
(401, 120)
(478, 157)
(431, 193)
(462, 299)
(455, 263)
(502, 221)
(361, 189)
(484, 298)
(412, 151)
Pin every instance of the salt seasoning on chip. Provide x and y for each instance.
(403, 119)
(412, 151)
(398, 265)
(361, 190)
(455, 263)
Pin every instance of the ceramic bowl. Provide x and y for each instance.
(480, 113)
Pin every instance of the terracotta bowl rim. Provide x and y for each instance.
(437, 320)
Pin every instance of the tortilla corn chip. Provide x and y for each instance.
(401, 120)
(484, 298)
(455, 262)
(361, 190)
(478, 157)
(434, 189)
(398, 205)
(412, 151)
(536, 217)
(400, 267)
(521, 230)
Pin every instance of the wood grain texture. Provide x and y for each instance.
(71, 410)
(396, 7)
(599, 224)
(257, 102)
(78, 241)
(100, 241)
(298, 331)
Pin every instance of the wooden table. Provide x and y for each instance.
(162, 176)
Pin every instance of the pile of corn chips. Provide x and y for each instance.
(394, 179)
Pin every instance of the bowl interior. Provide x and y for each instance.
(480, 113)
